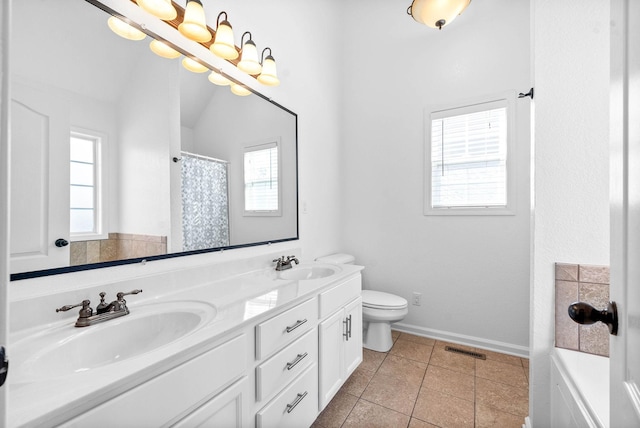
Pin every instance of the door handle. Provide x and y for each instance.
(584, 313)
(61, 242)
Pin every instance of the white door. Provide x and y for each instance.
(353, 344)
(625, 211)
(39, 180)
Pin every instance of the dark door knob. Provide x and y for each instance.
(61, 243)
(584, 313)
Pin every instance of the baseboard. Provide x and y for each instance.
(478, 342)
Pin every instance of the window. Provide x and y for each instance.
(85, 185)
(261, 180)
(468, 155)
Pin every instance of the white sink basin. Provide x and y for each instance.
(65, 350)
(306, 272)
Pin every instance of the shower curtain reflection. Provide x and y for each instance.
(205, 202)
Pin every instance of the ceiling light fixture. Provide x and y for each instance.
(436, 13)
(240, 90)
(162, 9)
(249, 62)
(223, 44)
(194, 24)
(268, 76)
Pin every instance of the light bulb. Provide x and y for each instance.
(223, 44)
(240, 90)
(249, 62)
(269, 75)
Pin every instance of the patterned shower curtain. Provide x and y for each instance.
(205, 203)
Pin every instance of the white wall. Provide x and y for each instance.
(571, 217)
(472, 271)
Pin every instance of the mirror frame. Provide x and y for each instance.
(91, 266)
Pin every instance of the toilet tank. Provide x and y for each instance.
(339, 258)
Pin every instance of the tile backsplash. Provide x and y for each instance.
(118, 246)
(584, 283)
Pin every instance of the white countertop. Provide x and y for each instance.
(240, 300)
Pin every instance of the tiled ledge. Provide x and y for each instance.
(584, 283)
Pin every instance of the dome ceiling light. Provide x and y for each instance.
(436, 13)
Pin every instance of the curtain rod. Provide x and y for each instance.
(194, 155)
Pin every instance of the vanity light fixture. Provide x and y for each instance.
(249, 62)
(125, 30)
(240, 90)
(268, 76)
(223, 44)
(194, 24)
(162, 49)
(218, 79)
(162, 9)
(193, 65)
(436, 13)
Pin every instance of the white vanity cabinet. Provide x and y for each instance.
(339, 336)
(178, 393)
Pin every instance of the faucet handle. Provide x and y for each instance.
(120, 295)
(85, 304)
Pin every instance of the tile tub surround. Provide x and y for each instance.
(585, 283)
(118, 246)
(418, 384)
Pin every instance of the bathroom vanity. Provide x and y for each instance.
(232, 344)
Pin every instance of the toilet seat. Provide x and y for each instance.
(380, 300)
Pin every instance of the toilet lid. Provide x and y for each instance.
(380, 300)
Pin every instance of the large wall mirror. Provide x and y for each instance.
(119, 155)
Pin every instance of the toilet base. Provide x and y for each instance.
(377, 336)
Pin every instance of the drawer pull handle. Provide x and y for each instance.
(297, 401)
(296, 325)
(293, 363)
(346, 329)
(349, 326)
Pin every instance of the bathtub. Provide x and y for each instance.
(579, 389)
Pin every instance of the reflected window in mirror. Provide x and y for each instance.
(85, 185)
(261, 180)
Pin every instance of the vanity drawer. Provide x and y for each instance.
(338, 296)
(280, 330)
(170, 396)
(296, 406)
(283, 367)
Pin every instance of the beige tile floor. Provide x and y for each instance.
(418, 384)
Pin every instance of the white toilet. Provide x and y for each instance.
(379, 310)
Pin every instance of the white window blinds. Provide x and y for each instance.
(261, 175)
(469, 157)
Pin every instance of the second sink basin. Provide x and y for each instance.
(65, 350)
(306, 272)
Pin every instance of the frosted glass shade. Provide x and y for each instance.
(437, 13)
(240, 90)
(269, 76)
(249, 62)
(162, 49)
(223, 45)
(194, 25)
(163, 9)
(192, 65)
(125, 30)
(218, 79)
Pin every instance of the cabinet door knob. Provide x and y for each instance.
(61, 242)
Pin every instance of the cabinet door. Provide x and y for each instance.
(331, 360)
(353, 343)
(227, 409)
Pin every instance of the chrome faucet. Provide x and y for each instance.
(103, 312)
(284, 264)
